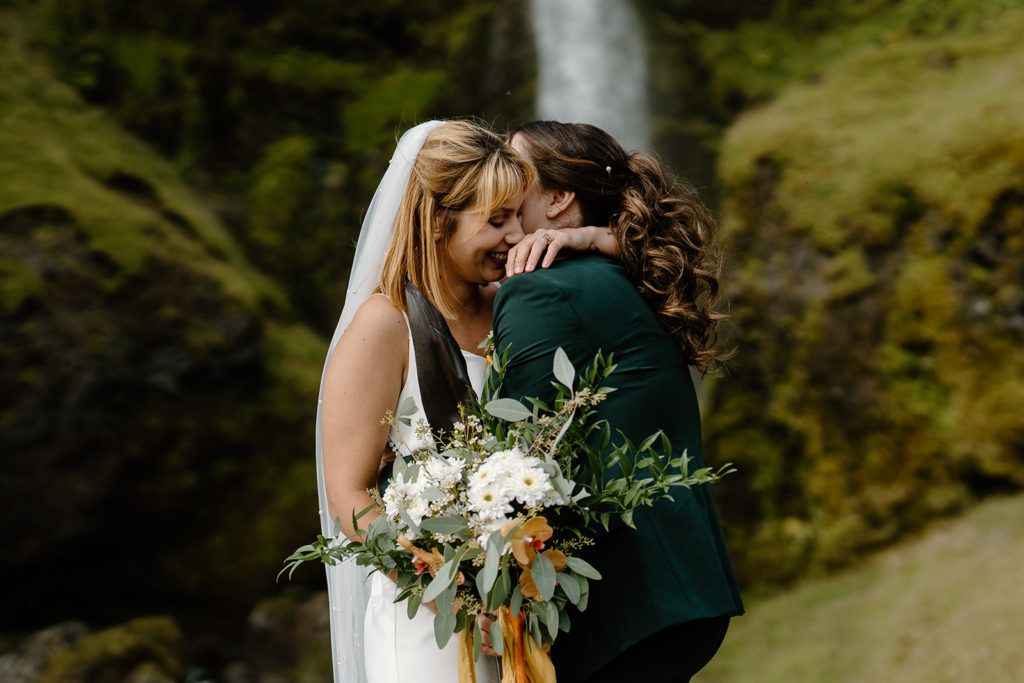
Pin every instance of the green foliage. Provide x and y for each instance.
(873, 212)
(270, 109)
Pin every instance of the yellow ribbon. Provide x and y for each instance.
(467, 668)
(522, 661)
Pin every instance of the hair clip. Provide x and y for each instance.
(608, 170)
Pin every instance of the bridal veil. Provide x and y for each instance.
(346, 582)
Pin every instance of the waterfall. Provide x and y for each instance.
(592, 66)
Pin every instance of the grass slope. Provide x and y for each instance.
(946, 606)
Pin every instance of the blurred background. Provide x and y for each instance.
(181, 184)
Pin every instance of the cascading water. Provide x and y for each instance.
(592, 66)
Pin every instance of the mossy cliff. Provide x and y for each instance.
(874, 217)
(154, 384)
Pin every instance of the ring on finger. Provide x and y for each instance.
(547, 238)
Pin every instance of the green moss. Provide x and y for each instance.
(60, 152)
(18, 282)
(883, 117)
(848, 274)
(111, 654)
(877, 209)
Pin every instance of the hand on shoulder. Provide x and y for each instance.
(543, 246)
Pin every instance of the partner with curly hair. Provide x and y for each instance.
(662, 230)
(668, 590)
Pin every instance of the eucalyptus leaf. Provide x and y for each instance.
(406, 408)
(444, 626)
(544, 576)
(563, 369)
(414, 601)
(444, 578)
(430, 494)
(444, 525)
(548, 613)
(516, 602)
(508, 409)
(571, 585)
(447, 597)
(534, 626)
(583, 568)
(496, 638)
(480, 589)
(490, 572)
(501, 589)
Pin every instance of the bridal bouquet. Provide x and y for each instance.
(491, 518)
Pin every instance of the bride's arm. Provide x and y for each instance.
(364, 379)
(526, 255)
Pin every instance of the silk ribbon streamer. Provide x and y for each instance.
(523, 661)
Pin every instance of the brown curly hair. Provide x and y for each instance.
(664, 231)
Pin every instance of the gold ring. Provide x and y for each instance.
(548, 238)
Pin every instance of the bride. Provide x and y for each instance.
(444, 218)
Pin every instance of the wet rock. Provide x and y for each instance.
(27, 662)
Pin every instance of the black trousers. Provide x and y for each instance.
(671, 655)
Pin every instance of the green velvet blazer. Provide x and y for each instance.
(674, 567)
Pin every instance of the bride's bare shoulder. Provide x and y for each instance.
(377, 323)
(377, 339)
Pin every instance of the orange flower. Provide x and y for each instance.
(528, 538)
(526, 583)
(430, 561)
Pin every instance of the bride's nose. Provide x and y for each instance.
(515, 230)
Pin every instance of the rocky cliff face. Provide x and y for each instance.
(153, 386)
(874, 215)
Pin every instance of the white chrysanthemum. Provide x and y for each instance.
(489, 500)
(531, 485)
(418, 510)
(504, 461)
(485, 474)
(444, 472)
(406, 495)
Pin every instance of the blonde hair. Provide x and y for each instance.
(462, 167)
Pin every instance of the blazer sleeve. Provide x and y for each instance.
(533, 317)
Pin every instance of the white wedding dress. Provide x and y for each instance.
(397, 649)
